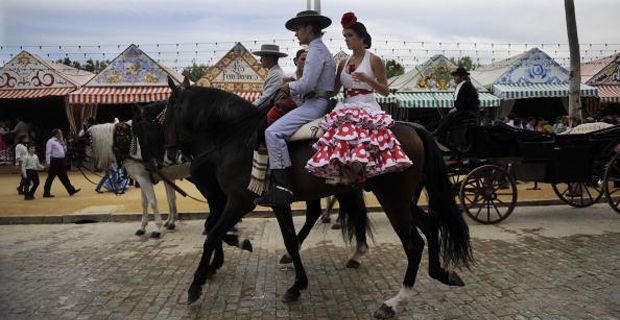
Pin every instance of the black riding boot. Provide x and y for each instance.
(280, 192)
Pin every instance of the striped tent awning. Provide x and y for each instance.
(541, 90)
(609, 93)
(380, 98)
(114, 95)
(440, 99)
(249, 96)
(34, 93)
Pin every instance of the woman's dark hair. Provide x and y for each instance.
(361, 31)
(298, 54)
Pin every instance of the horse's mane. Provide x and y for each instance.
(226, 107)
(152, 110)
(102, 139)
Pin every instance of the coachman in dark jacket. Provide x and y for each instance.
(466, 106)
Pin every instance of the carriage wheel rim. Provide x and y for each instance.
(479, 194)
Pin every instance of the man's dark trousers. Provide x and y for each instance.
(58, 167)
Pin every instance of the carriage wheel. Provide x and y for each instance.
(611, 183)
(579, 194)
(488, 194)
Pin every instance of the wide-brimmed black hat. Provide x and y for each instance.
(308, 16)
(269, 50)
(460, 72)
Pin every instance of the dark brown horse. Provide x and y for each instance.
(219, 129)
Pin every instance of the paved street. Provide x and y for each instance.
(552, 262)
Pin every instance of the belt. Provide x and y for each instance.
(318, 94)
(357, 92)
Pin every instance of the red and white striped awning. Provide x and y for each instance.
(118, 95)
(609, 93)
(34, 93)
(250, 96)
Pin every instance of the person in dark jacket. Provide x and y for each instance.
(466, 106)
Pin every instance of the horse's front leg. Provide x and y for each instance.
(233, 211)
(313, 212)
(285, 220)
(147, 188)
(170, 223)
(145, 214)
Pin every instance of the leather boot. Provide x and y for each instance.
(280, 191)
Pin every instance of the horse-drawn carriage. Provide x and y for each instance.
(580, 168)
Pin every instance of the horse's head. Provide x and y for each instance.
(176, 129)
(147, 127)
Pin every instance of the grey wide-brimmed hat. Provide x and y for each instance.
(306, 17)
(269, 50)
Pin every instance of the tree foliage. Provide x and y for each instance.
(393, 68)
(94, 66)
(464, 62)
(195, 71)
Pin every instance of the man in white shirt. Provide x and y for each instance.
(269, 55)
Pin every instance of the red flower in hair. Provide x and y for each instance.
(348, 20)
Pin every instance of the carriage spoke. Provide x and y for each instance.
(496, 209)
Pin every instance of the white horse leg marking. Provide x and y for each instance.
(172, 205)
(145, 211)
(398, 302)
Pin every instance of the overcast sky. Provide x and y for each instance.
(60, 26)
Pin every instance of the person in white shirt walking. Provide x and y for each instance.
(20, 152)
(30, 166)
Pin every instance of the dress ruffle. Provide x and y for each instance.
(353, 135)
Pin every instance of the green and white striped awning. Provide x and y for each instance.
(440, 99)
(541, 90)
(430, 99)
(380, 98)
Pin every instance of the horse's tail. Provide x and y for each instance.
(454, 232)
(354, 221)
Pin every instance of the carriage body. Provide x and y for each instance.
(498, 155)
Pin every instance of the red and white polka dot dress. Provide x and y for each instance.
(354, 136)
(357, 132)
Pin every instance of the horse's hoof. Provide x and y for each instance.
(166, 223)
(286, 259)
(171, 226)
(352, 264)
(290, 296)
(246, 245)
(384, 312)
(210, 273)
(193, 294)
(336, 226)
(155, 235)
(455, 280)
(326, 219)
(449, 279)
(140, 232)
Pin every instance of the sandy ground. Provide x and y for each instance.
(90, 202)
